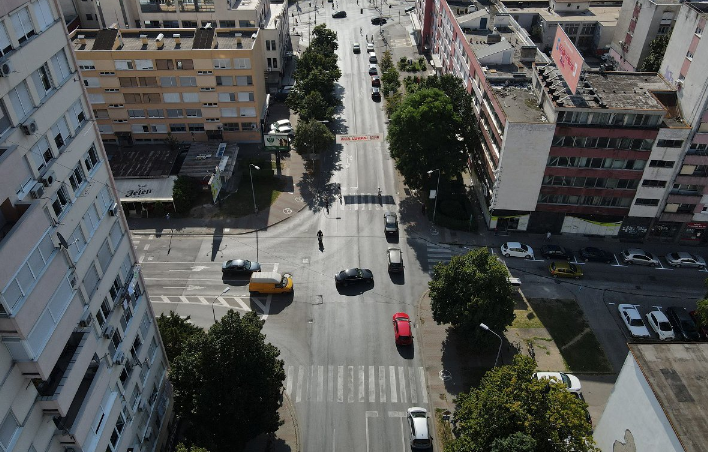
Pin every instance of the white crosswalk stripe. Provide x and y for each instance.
(437, 254)
(229, 302)
(364, 201)
(356, 384)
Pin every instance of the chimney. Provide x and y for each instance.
(177, 38)
(159, 41)
(144, 39)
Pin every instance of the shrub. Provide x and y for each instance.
(184, 194)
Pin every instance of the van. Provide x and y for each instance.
(270, 282)
(395, 260)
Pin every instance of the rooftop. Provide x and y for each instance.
(141, 161)
(676, 375)
(171, 39)
(603, 14)
(202, 159)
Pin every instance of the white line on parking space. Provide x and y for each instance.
(361, 383)
(340, 384)
(300, 377)
(368, 415)
(396, 414)
(372, 384)
(350, 399)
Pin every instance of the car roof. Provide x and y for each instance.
(561, 264)
(236, 262)
(351, 271)
(635, 251)
(630, 309)
(513, 244)
(659, 315)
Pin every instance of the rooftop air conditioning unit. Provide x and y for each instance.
(5, 69)
(37, 191)
(30, 127)
(108, 331)
(85, 319)
(48, 179)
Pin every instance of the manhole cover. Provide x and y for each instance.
(299, 199)
(445, 375)
(287, 211)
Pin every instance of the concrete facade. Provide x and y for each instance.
(194, 84)
(82, 362)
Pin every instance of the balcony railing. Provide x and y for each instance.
(49, 388)
(66, 423)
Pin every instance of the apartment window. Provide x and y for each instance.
(248, 112)
(110, 73)
(147, 81)
(653, 183)
(105, 128)
(178, 128)
(171, 98)
(275, 63)
(242, 63)
(42, 81)
(124, 65)
(91, 82)
(168, 81)
(229, 113)
(22, 24)
(9, 430)
(699, 31)
(190, 97)
(126, 317)
(77, 117)
(222, 63)
(686, 208)
(194, 113)
(91, 158)
(661, 164)
(144, 65)
(5, 123)
(21, 100)
(209, 104)
(97, 98)
(646, 202)
(245, 97)
(174, 113)
(158, 128)
(249, 126)
(5, 43)
(227, 97)
(246, 23)
(91, 220)
(41, 154)
(155, 113)
(164, 65)
(128, 82)
(101, 114)
(151, 98)
(244, 80)
(139, 128)
(117, 432)
(689, 55)
(196, 127)
(136, 113)
(189, 24)
(267, 45)
(60, 201)
(224, 80)
(231, 127)
(61, 66)
(187, 65)
(188, 81)
(21, 285)
(86, 65)
(669, 143)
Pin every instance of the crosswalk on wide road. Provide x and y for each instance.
(356, 384)
(437, 253)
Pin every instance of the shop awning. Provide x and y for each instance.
(146, 190)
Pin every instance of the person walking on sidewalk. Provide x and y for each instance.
(548, 235)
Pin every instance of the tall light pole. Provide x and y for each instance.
(485, 327)
(437, 192)
(250, 165)
(215, 298)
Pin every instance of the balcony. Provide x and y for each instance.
(691, 180)
(677, 217)
(66, 423)
(695, 159)
(683, 197)
(9, 216)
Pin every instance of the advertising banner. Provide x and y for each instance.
(215, 183)
(355, 138)
(567, 59)
(276, 142)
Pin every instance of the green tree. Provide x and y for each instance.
(390, 82)
(509, 401)
(184, 193)
(181, 447)
(393, 101)
(657, 48)
(228, 383)
(324, 40)
(175, 332)
(516, 442)
(473, 288)
(386, 62)
(312, 137)
(424, 135)
(702, 311)
(314, 106)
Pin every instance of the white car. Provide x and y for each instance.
(639, 257)
(282, 126)
(370, 47)
(658, 322)
(683, 259)
(357, 47)
(516, 249)
(571, 382)
(631, 317)
(419, 431)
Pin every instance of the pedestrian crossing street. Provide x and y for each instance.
(356, 384)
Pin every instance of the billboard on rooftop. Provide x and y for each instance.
(567, 59)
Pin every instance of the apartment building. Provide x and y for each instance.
(82, 365)
(640, 22)
(195, 84)
(597, 161)
(271, 18)
(685, 66)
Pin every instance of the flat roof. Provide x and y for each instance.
(146, 190)
(519, 103)
(141, 160)
(676, 374)
(603, 14)
(203, 157)
(189, 38)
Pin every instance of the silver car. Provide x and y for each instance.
(639, 257)
(683, 259)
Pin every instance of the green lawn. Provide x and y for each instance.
(565, 322)
(266, 186)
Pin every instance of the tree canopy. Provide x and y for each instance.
(227, 384)
(424, 135)
(312, 137)
(473, 288)
(512, 411)
(175, 332)
(657, 49)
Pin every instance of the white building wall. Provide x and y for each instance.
(521, 166)
(633, 413)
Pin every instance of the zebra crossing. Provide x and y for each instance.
(229, 302)
(437, 253)
(356, 384)
(363, 201)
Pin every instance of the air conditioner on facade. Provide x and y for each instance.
(5, 69)
(119, 357)
(37, 191)
(85, 319)
(30, 127)
(108, 331)
(113, 211)
(48, 179)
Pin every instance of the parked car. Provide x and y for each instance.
(234, 266)
(516, 249)
(555, 252)
(702, 329)
(571, 382)
(591, 253)
(682, 259)
(390, 223)
(633, 320)
(283, 93)
(378, 21)
(395, 260)
(282, 126)
(357, 48)
(683, 324)
(372, 58)
(375, 93)
(564, 269)
(375, 80)
(402, 329)
(370, 47)
(419, 431)
(339, 15)
(639, 257)
(353, 276)
(373, 69)
(660, 324)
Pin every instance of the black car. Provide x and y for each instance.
(339, 14)
(390, 223)
(240, 266)
(282, 93)
(378, 21)
(353, 275)
(590, 253)
(555, 252)
(682, 323)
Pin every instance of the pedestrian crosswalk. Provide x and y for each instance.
(229, 302)
(356, 384)
(363, 201)
(437, 253)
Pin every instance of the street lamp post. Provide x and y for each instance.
(255, 206)
(485, 327)
(437, 193)
(215, 298)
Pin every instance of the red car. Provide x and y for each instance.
(402, 329)
(375, 80)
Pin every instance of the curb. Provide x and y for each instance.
(293, 418)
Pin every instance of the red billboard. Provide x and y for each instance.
(567, 59)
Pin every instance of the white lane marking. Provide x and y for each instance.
(146, 247)
(396, 414)
(330, 384)
(264, 308)
(243, 305)
(311, 384)
(275, 267)
(203, 300)
(361, 383)
(223, 302)
(382, 383)
(368, 415)
(372, 384)
(165, 299)
(340, 384)
(151, 236)
(141, 258)
(300, 377)
(424, 392)
(402, 383)
(412, 385)
(289, 381)
(392, 380)
(350, 383)
(184, 299)
(320, 383)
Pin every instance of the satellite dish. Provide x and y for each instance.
(62, 241)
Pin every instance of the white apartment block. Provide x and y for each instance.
(82, 365)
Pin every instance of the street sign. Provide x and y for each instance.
(355, 138)
(276, 142)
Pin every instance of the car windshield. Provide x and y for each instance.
(664, 326)
(352, 272)
(417, 413)
(390, 219)
(636, 322)
(246, 264)
(524, 247)
(566, 380)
